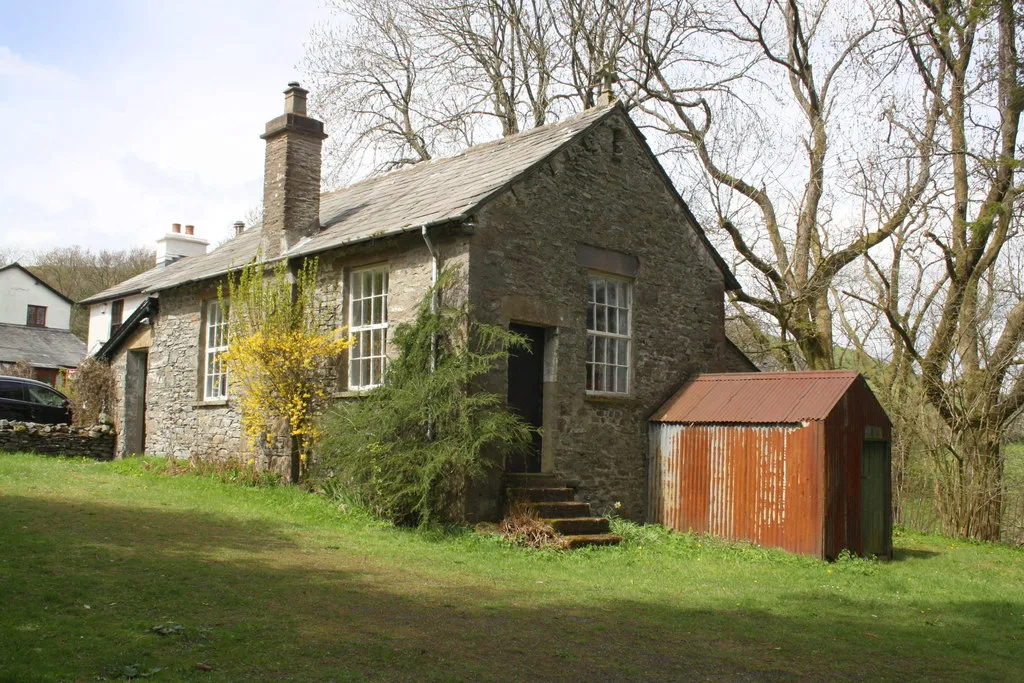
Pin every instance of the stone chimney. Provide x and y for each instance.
(291, 176)
(175, 245)
(239, 228)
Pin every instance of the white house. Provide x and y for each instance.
(27, 300)
(35, 325)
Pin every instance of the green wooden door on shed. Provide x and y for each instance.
(874, 498)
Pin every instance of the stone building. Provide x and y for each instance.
(571, 233)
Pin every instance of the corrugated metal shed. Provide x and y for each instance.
(760, 397)
(798, 461)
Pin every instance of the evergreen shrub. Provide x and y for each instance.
(408, 449)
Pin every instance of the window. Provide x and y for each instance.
(36, 316)
(215, 343)
(608, 335)
(369, 326)
(116, 315)
(45, 396)
(12, 391)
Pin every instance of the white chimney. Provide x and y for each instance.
(175, 245)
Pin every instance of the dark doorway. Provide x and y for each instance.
(134, 432)
(874, 498)
(526, 392)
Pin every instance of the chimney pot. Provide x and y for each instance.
(175, 227)
(295, 99)
(239, 227)
(190, 229)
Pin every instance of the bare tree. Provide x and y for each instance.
(7, 255)
(380, 90)
(949, 294)
(778, 196)
(411, 80)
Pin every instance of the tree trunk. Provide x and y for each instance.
(296, 468)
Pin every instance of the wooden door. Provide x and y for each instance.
(526, 392)
(875, 498)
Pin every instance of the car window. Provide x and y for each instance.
(44, 396)
(11, 390)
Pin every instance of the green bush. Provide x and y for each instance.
(408, 449)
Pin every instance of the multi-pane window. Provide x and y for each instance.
(36, 316)
(369, 327)
(215, 343)
(116, 316)
(608, 335)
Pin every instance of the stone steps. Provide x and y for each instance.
(540, 495)
(531, 480)
(579, 526)
(583, 540)
(555, 503)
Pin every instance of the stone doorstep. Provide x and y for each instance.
(576, 526)
(581, 541)
(539, 495)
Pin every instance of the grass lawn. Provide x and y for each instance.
(274, 583)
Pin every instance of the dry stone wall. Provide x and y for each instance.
(27, 437)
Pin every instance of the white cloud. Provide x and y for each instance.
(160, 124)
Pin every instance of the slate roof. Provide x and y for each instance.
(232, 254)
(425, 194)
(757, 397)
(43, 347)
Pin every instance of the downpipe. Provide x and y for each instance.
(433, 311)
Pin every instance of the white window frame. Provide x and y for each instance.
(215, 343)
(609, 349)
(368, 325)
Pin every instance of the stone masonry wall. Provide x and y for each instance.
(602, 191)
(86, 442)
(180, 424)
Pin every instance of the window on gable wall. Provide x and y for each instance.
(36, 316)
(116, 315)
(215, 343)
(368, 323)
(609, 334)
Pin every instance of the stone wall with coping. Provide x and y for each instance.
(87, 442)
(602, 191)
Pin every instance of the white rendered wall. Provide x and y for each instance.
(18, 289)
(99, 320)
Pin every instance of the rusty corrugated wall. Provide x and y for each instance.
(763, 483)
(845, 427)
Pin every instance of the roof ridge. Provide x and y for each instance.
(473, 149)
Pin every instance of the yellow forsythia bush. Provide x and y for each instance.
(279, 348)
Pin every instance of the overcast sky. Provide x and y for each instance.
(120, 117)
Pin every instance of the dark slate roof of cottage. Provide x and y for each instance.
(423, 195)
(757, 397)
(42, 347)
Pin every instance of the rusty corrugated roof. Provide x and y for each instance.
(757, 397)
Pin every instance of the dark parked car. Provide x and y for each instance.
(27, 400)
